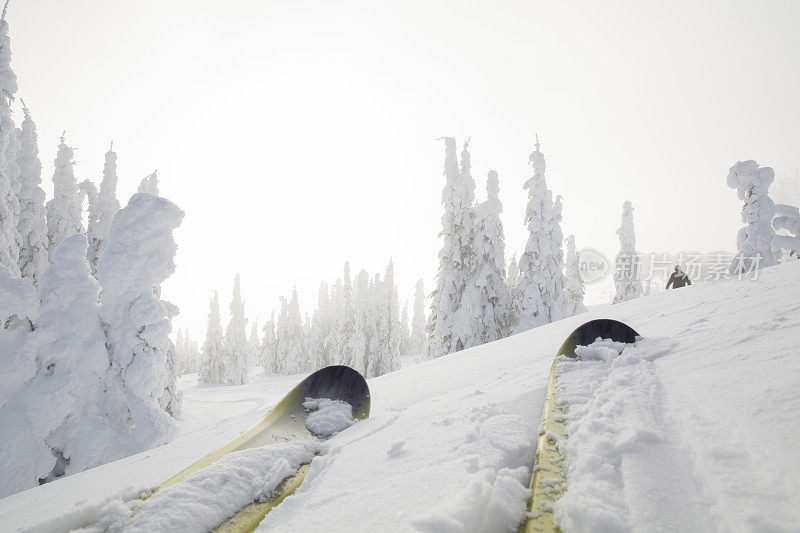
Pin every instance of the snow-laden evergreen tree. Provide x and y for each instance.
(235, 344)
(212, 369)
(193, 355)
(405, 331)
(253, 346)
(289, 334)
(139, 256)
(64, 210)
(387, 356)
(754, 240)
(487, 285)
(103, 210)
(449, 321)
(514, 293)
(269, 347)
(418, 335)
(10, 239)
(787, 220)
(320, 328)
(575, 288)
(626, 275)
(149, 184)
(364, 313)
(56, 419)
(334, 343)
(373, 329)
(307, 359)
(351, 331)
(32, 225)
(541, 267)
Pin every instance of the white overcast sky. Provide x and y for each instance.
(300, 134)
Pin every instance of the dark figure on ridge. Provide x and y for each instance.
(678, 279)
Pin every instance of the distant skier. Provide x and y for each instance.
(678, 279)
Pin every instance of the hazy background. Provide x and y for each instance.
(297, 134)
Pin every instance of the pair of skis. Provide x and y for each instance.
(286, 422)
(547, 477)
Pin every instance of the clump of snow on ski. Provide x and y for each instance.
(328, 417)
(208, 497)
(623, 463)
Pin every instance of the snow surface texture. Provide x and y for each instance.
(208, 497)
(703, 437)
(328, 417)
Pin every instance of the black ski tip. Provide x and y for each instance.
(339, 382)
(605, 328)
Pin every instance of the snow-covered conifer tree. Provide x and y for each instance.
(138, 257)
(418, 334)
(541, 277)
(351, 331)
(320, 327)
(212, 369)
(10, 239)
(102, 212)
(487, 285)
(788, 220)
(405, 332)
(514, 294)
(179, 351)
(448, 332)
(289, 334)
(387, 357)
(56, 420)
(149, 184)
(754, 241)
(64, 210)
(362, 303)
(269, 346)
(32, 225)
(334, 343)
(626, 277)
(575, 288)
(235, 345)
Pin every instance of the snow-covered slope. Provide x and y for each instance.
(693, 429)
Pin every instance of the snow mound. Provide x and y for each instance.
(328, 417)
(208, 497)
(600, 350)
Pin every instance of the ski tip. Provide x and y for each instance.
(339, 382)
(605, 328)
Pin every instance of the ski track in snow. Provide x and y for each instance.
(695, 428)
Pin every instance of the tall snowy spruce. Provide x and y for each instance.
(32, 225)
(269, 346)
(405, 331)
(320, 328)
(212, 369)
(449, 324)
(236, 345)
(64, 210)
(56, 419)
(387, 357)
(487, 285)
(10, 239)
(138, 257)
(365, 317)
(754, 240)
(541, 277)
(350, 334)
(626, 275)
(418, 335)
(289, 334)
(514, 294)
(575, 288)
(103, 210)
